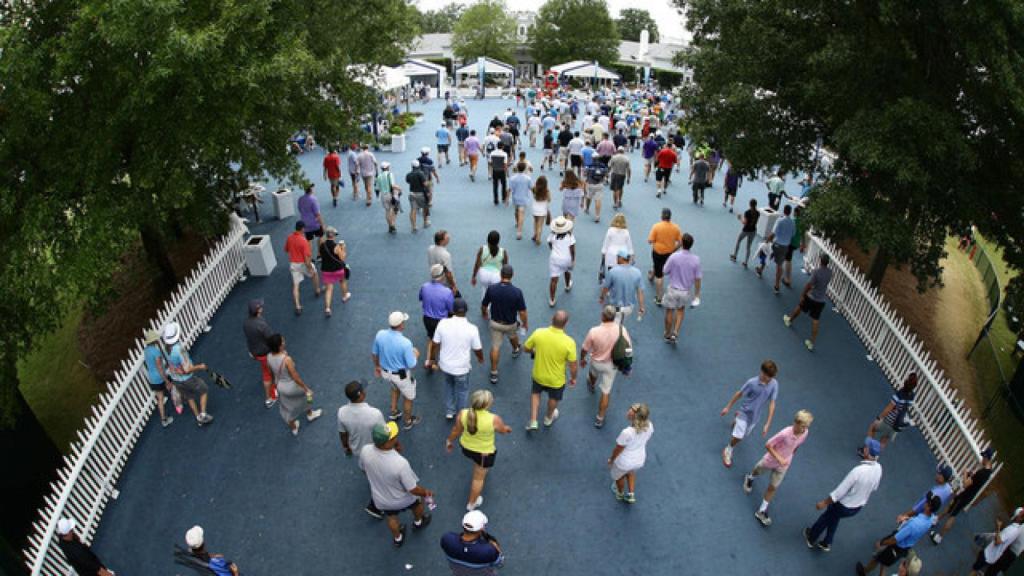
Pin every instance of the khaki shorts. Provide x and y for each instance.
(405, 386)
(777, 474)
(604, 373)
(675, 298)
(499, 332)
(299, 271)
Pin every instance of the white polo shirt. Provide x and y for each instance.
(458, 338)
(856, 488)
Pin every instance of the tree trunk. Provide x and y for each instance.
(32, 460)
(879, 265)
(156, 252)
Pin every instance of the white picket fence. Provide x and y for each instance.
(87, 477)
(953, 434)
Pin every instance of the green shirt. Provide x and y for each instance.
(552, 349)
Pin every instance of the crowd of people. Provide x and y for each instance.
(589, 143)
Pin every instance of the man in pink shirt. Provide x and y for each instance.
(598, 345)
(780, 449)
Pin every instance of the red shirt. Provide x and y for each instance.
(667, 158)
(332, 164)
(297, 247)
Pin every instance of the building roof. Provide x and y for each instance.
(432, 46)
(659, 55)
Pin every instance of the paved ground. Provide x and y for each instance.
(281, 505)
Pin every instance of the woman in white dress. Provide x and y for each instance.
(563, 255)
(615, 239)
(630, 452)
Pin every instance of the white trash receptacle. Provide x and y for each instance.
(284, 207)
(766, 223)
(259, 255)
(398, 142)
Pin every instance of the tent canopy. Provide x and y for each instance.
(491, 66)
(584, 69)
(385, 79)
(415, 68)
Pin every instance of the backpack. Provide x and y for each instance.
(598, 170)
(622, 353)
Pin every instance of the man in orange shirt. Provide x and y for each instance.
(664, 239)
(666, 159)
(332, 173)
(300, 263)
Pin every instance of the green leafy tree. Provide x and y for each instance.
(122, 122)
(567, 30)
(632, 21)
(922, 107)
(441, 21)
(485, 29)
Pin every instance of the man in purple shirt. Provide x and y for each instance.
(684, 276)
(649, 150)
(438, 303)
(309, 211)
(472, 153)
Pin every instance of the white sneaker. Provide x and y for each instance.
(310, 416)
(476, 504)
(295, 431)
(568, 287)
(727, 457)
(550, 421)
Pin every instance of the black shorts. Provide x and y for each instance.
(789, 253)
(553, 393)
(659, 263)
(442, 148)
(662, 174)
(729, 191)
(779, 253)
(957, 505)
(397, 512)
(161, 387)
(318, 233)
(813, 308)
(618, 181)
(481, 460)
(890, 555)
(575, 160)
(431, 325)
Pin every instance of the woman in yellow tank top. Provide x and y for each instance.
(475, 427)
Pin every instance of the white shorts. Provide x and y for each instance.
(594, 191)
(487, 277)
(604, 372)
(548, 152)
(405, 386)
(740, 427)
(558, 267)
(619, 472)
(299, 271)
(675, 298)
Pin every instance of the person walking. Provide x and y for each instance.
(598, 345)
(782, 236)
(458, 338)
(504, 309)
(812, 299)
(623, 289)
(418, 182)
(573, 190)
(217, 564)
(309, 212)
(593, 189)
(368, 171)
(352, 160)
(461, 135)
(332, 173)
(748, 220)
(684, 274)
(257, 332)
(973, 483)
(394, 486)
(472, 147)
(438, 253)
(394, 357)
(848, 498)
(776, 190)
(474, 552)
(295, 396)
(997, 556)
(475, 428)
(356, 421)
(437, 301)
(498, 161)
(80, 557)
(664, 238)
(733, 180)
(184, 374)
(756, 394)
(630, 452)
(444, 140)
(541, 207)
(893, 417)
(333, 268)
(553, 351)
(941, 490)
(489, 260)
(616, 238)
(699, 178)
(621, 173)
(563, 255)
(666, 159)
(390, 196)
(156, 374)
(648, 152)
(779, 451)
(521, 184)
(897, 544)
(300, 264)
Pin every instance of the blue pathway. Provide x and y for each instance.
(283, 505)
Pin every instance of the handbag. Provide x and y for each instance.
(622, 353)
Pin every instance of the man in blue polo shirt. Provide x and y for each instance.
(897, 544)
(438, 303)
(623, 288)
(782, 236)
(507, 306)
(474, 551)
(394, 357)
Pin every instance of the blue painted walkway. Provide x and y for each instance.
(283, 505)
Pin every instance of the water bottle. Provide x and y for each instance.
(309, 397)
(521, 332)
(430, 503)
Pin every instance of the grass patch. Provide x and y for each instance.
(57, 385)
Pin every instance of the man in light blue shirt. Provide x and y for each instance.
(444, 140)
(623, 288)
(896, 545)
(782, 237)
(394, 357)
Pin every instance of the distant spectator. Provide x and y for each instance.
(79, 556)
(216, 563)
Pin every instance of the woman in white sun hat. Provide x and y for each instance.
(563, 255)
(184, 374)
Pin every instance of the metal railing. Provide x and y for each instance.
(85, 481)
(953, 434)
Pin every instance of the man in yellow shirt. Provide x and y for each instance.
(552, 349)
(665, 238)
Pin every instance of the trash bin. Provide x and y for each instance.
(766, 222)
(283, 205)
(398, 142)
(259, 255)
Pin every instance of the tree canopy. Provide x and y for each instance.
(632, 21)
(567, 30)
(441, 20)
(485, 29)
(922, 105)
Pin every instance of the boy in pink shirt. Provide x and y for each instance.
(780, 449)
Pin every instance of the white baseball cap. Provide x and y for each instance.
(385, 165)
(425, 150)
(474, 521)
(65, 526)
(396, 319)
(194, 537)
(171, 334)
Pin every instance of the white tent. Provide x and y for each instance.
(491, 66)
(385, 79)
(584, 69)
(427, 72)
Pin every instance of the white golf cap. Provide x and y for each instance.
(194, 537)
(171, 334)
(65, 526)
(474, 521)
(396, 319)
(385, 165)
(425, 150)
